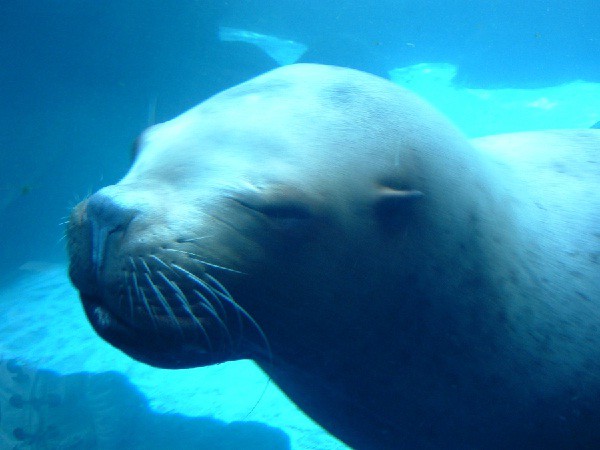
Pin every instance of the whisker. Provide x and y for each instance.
(134, 270)
(163, 302)
(198, 258)
(162, 263)
(140, 295)
(224, 293)
(218, 293)
(75, 200)
(179, 292)
(129, 297)
(228, 299)
(209, 308)
(207, 302)
(219, 285)
(131, 309)
(145, 265)
(147, 306)
(206, 287)
(135, 284)
(182, 298)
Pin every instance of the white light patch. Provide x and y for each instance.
(102, 317)
(283, 51)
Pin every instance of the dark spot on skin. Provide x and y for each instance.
(583, 296)
(594, 257)
(473, 218)
(342, 94)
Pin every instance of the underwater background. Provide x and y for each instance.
(80, 79)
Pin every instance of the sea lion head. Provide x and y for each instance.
(282, 195)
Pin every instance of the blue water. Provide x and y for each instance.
(79, 79)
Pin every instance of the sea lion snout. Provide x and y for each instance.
(147, 293)
(105, 216)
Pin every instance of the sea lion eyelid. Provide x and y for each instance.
(287, 209)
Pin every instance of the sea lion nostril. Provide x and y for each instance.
(106, 216)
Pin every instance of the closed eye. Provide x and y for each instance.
(285, 211)
(285, 215)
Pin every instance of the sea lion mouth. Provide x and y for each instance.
(157, 349)
(175, 321)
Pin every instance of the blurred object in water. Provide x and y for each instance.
(283, 51)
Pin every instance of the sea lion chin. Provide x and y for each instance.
(402, 285)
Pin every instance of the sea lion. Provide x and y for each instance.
(403, 286)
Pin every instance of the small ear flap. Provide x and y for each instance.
(391, 202)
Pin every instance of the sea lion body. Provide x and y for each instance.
(406, 288)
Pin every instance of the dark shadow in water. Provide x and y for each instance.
(42, 409)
